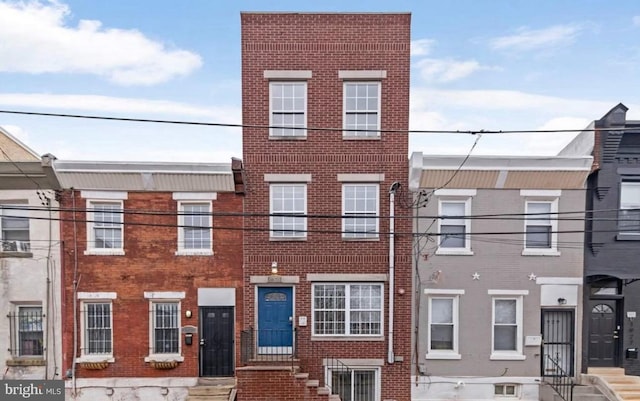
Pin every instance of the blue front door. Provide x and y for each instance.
(275, 319)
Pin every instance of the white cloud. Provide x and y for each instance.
(531, 39)
(421, 47)
(636, 20)
(36, 39)
(447, 70)
(17, 132)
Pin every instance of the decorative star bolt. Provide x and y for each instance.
(476, 276)
(532, 277)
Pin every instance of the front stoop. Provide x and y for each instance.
(614, 383)
(213, 389)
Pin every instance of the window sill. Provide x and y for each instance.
(361, 138)
(95, 359)
(288, 138)
(9, 254)
(628, 237)
(195, 252)
(277, 239)
(507, 357)
(366, 239)
(454, 252)
(164, 358)
(540, 252)
(346, 338)
(24, 361)
(443, 355)
(105, 252)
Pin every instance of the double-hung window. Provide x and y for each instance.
(164, 326)
(288, 211)
(629, 220)
(443, 323)
(97, 320)
(454, 226)
(105, 225)
(27, 332)
(541, 226)
(507, 324)
(360, 205)
(194, 234)
(361, 109)
(347, 309)
(288, 109)
(14, 226)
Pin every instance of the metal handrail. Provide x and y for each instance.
(561, 382)
(252, 353)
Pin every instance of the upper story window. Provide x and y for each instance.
(361, 109)
(454, 226)
(194, 233)
(288, 208)
(541, 225)
(347, 309)
(360, 206)
(629, 220)
(14, 226)
(105, 227)
(288, 109)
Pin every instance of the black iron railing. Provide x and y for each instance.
(257, 346)
(560, 381)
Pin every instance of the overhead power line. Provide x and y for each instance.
(232, 125)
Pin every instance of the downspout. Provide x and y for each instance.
(75, 295)
(392, 200)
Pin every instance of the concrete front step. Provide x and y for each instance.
(210, 390)
(606, 371)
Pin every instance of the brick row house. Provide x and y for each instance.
(327, 268)
(498, 280)
(29, 264)
(152, 277)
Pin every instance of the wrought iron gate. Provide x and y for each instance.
(558, 342)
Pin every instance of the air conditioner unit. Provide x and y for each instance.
(16, 246)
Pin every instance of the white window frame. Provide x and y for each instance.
(516, 390)
(363, 134)
(629, 205)
(552, 222)
(518, 297)
(163, 357)
(18, 210)
(296, 214)
(17, 352)
(84, 327)
(91, 238)
(182, 250)
(353, 369)
(466, 250)
(347, 310)
(296, 133)
(453, 295)
(359, 236)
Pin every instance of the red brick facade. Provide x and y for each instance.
(149, 264)
(326, 44)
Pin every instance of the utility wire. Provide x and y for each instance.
(231, 125)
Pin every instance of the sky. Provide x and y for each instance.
(475, 65)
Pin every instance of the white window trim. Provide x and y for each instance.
(376, 369)
(553, 218)
(455, 352)
(516, 394)
(194, 251)
(23, 247)
(302, 132)
(347, 318)
(302, 236)
(87, 298)
(361, 237)
(351, 134)
(153, 357)
(517, 354)
(631, 183)
(466, 251)
(91, 234)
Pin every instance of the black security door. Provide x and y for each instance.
(558, 342)
(604, 333)
(216, 341)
